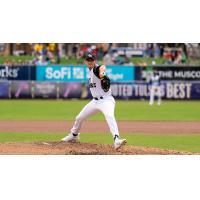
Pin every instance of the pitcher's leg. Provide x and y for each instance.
(107, 108)
(87, 111)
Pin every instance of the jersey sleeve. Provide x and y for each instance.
(96, 71)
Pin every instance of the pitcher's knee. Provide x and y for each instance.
(79, 118)
(109, 117)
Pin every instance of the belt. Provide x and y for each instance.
(98, 98)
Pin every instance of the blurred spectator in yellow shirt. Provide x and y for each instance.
(51, 47)
(38, 49)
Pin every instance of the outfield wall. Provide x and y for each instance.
(121, 90)
(128, 82)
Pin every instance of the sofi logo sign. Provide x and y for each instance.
(80, 73)
(121, 73)
(61, 73)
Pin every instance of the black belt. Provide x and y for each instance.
(98, 98)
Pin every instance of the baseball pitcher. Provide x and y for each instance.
(103, 101)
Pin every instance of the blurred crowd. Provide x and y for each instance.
(111, 53)
(173, 54)
(106, 53)
(45, 54)
(79, 51)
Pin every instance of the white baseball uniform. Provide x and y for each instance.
(102, 102)
(155, 89)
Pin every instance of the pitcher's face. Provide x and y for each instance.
(90, 63)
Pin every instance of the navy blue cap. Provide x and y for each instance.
(90, 57)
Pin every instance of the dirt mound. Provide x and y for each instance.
(43, 148)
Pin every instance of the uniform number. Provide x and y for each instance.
(92, 85)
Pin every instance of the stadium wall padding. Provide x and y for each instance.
(69, 81)
(181, 90)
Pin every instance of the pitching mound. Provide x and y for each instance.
(43, 148)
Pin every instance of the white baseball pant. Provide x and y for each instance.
(106, 106)
(155, 90)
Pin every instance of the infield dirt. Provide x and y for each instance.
(40, 148)
(155, 127)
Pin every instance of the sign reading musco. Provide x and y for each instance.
(174, 73)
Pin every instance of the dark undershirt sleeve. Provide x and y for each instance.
(96, 71)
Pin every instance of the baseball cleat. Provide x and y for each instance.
(119, 143)
(70, 138)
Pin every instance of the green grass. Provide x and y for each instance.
(125, 110)
(28, 58)
(67, 61)
(18, 59)
(189, 143)
(29, 137)
(138, 60)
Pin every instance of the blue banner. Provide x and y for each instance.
(177, 90)
(4, 89)
(176, 72)
(69, 90)
(80, 73)
(17, 72)
(169, 90)
(121, 73)
(61, 73)
(45, 90)
(21, 89)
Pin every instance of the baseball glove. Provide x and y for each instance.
(105, 83)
